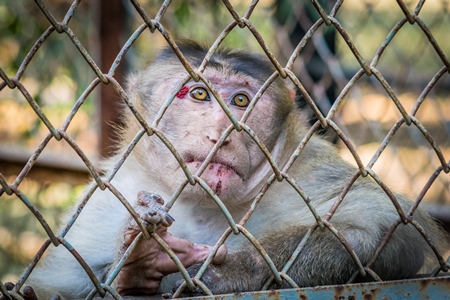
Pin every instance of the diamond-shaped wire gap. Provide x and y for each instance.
(409, 58)
(265, 48)
(389, 144)
(44, 144)
(20, 127)
(433, 246)
(349, 145)
(37, 109)
(401, 151)
(285, 169)
(320, 49)
(26, 61)
(255, 244)
(424, 193)
(157, 25)
(63, 27)
(94, 279)
(125, 48)
(369, 30)
(205, 265)
(304, 239)
(425, 189)
(292, 259)
(290, 51)
(367, 119)
(433, 42)
(33, 209)
(61, 89)
(437, 19)
(261, 251)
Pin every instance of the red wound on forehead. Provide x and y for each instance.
(182, 93)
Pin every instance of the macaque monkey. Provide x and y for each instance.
(194, 123)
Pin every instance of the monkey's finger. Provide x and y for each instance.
(189, 253)
(29, 294)
(131, 232)
(9, 286)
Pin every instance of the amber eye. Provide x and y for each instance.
(240, 100)
(200, 93)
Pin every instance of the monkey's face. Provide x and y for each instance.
(195, 122)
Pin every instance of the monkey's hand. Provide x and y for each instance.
(243, 270)
(149, 263)
(27, 293)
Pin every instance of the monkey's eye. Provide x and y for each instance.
(240, 100)
(200, 93)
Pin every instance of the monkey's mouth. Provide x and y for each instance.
(199, 161)
(218, 174)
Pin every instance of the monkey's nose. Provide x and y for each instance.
(214, 140)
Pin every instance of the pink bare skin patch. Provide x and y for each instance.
(218, 176)
(182, 93)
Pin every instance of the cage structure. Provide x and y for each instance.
(327, 95)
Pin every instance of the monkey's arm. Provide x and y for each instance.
(149, 263)
(323, 260)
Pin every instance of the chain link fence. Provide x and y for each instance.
(328, 113)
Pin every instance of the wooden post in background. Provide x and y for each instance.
(112, 25)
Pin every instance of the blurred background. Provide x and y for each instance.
(58, 75)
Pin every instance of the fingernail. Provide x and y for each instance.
(170, 219)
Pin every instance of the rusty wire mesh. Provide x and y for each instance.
(328, 18)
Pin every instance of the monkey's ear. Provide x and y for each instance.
(292, 94)
(292, 90)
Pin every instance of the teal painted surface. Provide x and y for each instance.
(414, 289)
